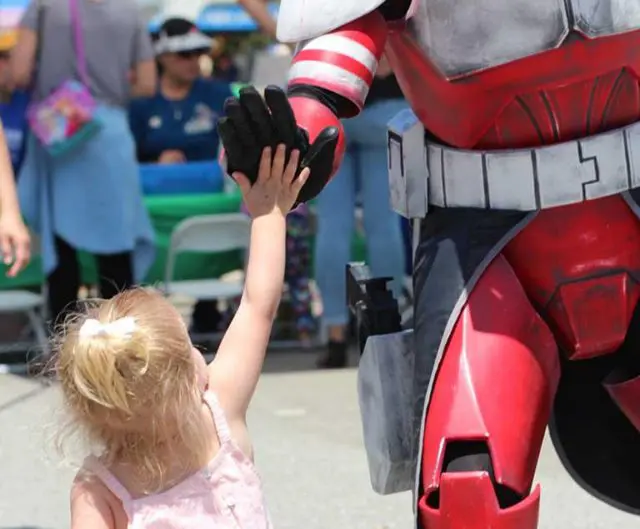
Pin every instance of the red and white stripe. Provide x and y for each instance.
(343, 62)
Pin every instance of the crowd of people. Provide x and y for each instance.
(155, 106)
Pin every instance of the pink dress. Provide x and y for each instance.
(226, 494)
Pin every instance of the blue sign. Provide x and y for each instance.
(230, 18)
(181, 179)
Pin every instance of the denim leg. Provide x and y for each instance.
(385, 246)
(335, 209)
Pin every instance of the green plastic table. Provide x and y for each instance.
(167, 211)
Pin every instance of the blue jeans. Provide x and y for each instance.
(363, 175)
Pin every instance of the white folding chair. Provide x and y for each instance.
(33, 305)
(207, 234)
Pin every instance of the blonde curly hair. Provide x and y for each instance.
(130, 383)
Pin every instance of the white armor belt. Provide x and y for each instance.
(422, 172)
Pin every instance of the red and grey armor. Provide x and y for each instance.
(520, 167)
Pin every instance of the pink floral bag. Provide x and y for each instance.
(65, 119)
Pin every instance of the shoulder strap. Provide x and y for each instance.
(78, 40)
(93, 465)
(219, 417)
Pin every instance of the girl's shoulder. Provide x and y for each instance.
(94, 505)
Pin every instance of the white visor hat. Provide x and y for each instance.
(192, 41)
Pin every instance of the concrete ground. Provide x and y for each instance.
(309, 450)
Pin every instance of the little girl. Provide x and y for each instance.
(175, 451)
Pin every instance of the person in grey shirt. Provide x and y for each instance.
(117, 46)
(89, 199)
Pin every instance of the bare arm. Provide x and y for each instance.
(235, 371)
(238, 363)
(8, 193)
(15, 243)
(22, 59)
(144, 79)
(144, 74)
(259, 12)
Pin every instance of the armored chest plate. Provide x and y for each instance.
(465, 36)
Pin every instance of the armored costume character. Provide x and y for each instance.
(520, 166)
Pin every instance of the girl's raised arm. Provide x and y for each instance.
(235, 371)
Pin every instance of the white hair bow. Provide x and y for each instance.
(123, 328)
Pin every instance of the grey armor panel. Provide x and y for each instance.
(463, 37)
(386, 407)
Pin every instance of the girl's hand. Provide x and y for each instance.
(276, 188)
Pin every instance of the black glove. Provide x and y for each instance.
(253, 123)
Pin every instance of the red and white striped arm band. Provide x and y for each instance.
(344, 61)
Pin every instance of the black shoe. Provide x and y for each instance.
(334, 357)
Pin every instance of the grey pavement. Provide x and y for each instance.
(306, 430)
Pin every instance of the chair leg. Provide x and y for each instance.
(40, 330)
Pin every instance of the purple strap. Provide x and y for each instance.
(81, 60)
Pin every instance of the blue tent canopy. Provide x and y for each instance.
(217, 18)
